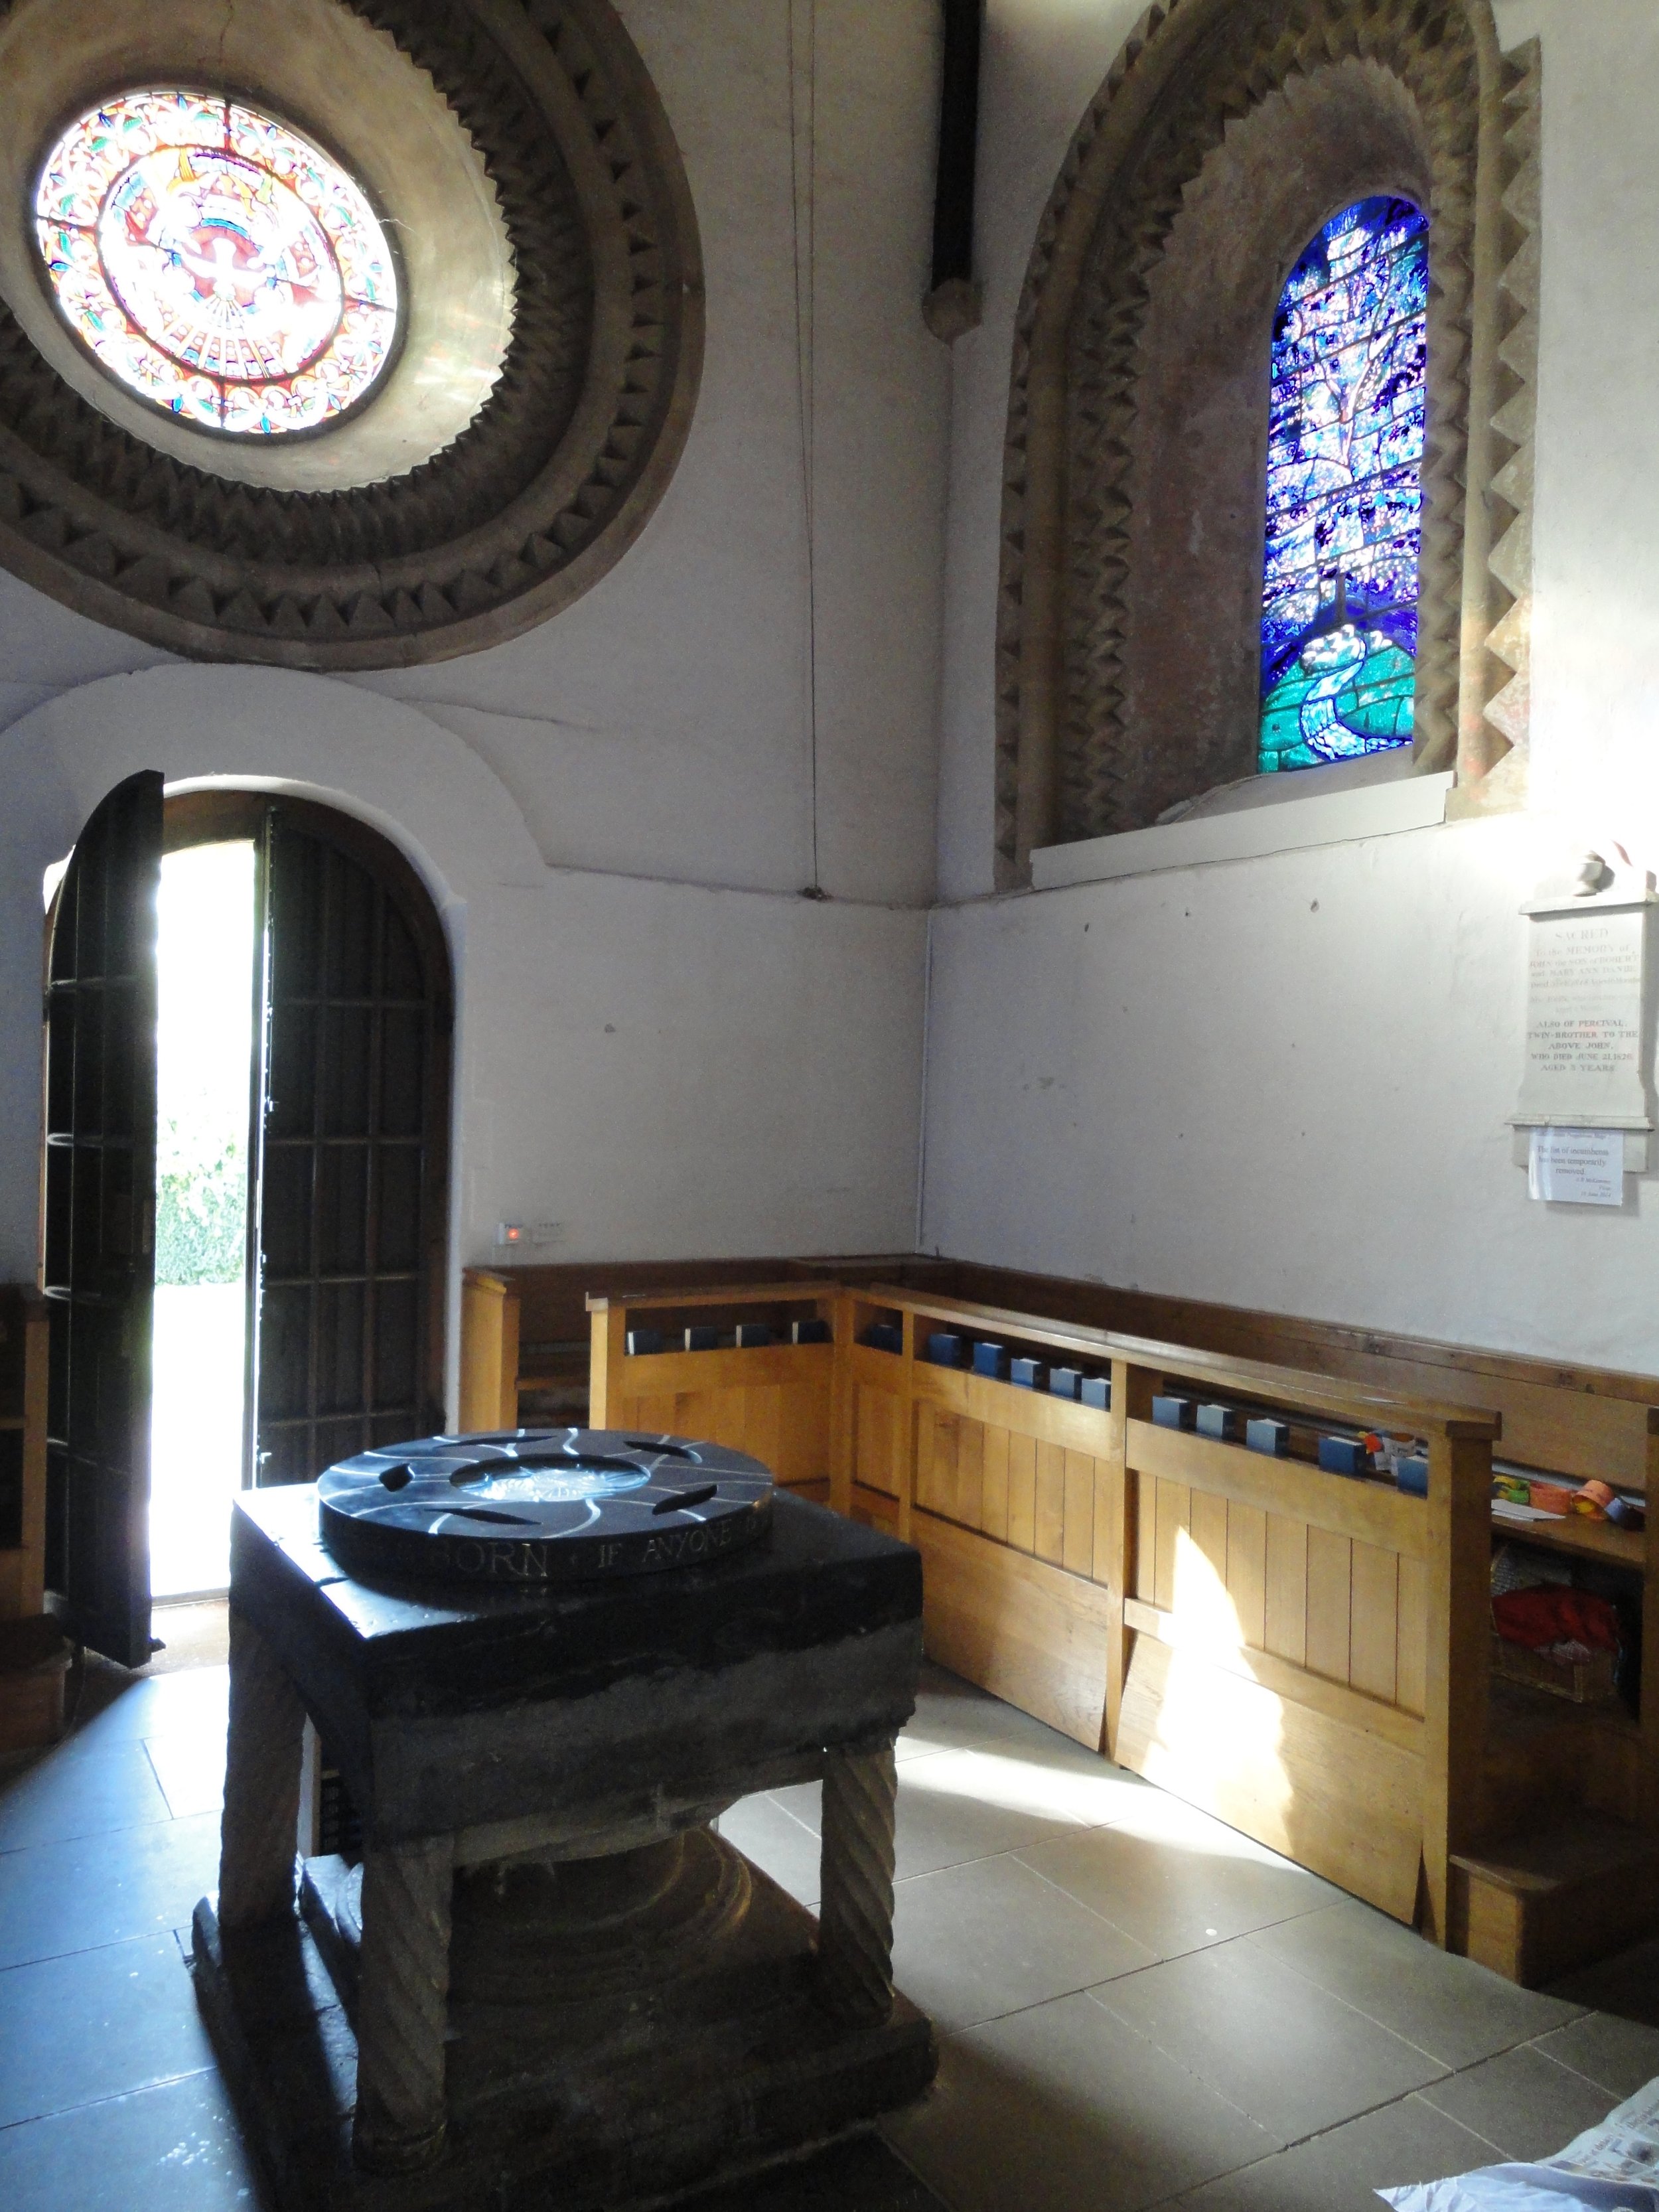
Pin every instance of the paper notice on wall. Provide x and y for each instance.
(1576, 1167)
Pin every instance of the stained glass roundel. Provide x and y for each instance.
(217, 263)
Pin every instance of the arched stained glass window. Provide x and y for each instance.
(1345, 451)
(217, 263)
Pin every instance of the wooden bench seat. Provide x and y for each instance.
(1169, 1598)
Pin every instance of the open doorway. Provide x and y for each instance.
(204, 1073)
(245, 1181)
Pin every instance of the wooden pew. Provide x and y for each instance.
(1572, 1420)
(525, 1329)
(775, 1401)
(1304, 1655)
(1280, 1645)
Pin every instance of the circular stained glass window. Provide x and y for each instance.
(217, 263)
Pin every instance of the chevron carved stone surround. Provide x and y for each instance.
(537, 497)
(1071, 739)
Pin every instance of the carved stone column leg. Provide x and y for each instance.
(403, 2005)
(855, 1910)
(257, 1835)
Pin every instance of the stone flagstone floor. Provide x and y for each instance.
(1137, 2007)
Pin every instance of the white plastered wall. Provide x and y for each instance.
(1283, 1082)
(662, 1047)
(702, 715)
(686, 718)
(660, 1069)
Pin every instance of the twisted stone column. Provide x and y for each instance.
(258, 1831)
(403, 1984)
(855, 1910)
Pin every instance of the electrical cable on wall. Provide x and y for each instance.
(803, 157)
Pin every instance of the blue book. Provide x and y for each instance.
(1173, 1413)
(642, 1341)
(751, 1334)
(1024, 1373)
(1343, 1456)
(883, 1336)
(945, 1348)
(702, 1339)
(1063, 1381)
(1273, 1437)
(809, 1332)
(1412, 1475)
(1096, 1391)
(1221, 1421)
(991, 1359)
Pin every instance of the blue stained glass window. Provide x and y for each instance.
(1345, 451)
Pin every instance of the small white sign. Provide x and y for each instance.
(1577, 1167)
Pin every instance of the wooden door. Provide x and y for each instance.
(351, 1131)
(98, 1259)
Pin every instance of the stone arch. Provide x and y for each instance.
(1223, 136)
(384, 761)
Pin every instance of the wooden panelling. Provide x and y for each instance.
(489, 1351)
(772, 1401)
(1030, 1491)
(1366, 1509)
(1374, 1627)
(1247, 1571)
(1206, 1522)
(1022, 1493)
(1312, 1388)
(1330, 1567)
(1140, 1580)
(1286, 1608)
(1410, 1680)
(882, 1370)
(1077, 1553)
(970, 1474)
(994, 1492)
(1002, 1405)
(1292, 1777)
(1278, 1582)
(877, 1414)
(1173, 1508)
(659, 1374)
(1455, 1666)
(1578, 1420)
(875, 1509)
(1302, 1654)
(1025, 1630)
(1050, 1503)
(1335, 1701)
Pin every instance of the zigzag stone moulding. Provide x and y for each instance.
(1214, 105)
(1499, 754)
(529, 506)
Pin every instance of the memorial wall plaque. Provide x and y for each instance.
(1586, 976)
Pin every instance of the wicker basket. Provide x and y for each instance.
(1589, 1683)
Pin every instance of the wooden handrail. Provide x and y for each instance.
(1255, 1378)
(733, 1294)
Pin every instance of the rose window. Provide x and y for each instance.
(217, 263)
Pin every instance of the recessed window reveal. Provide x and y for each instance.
(217, 263)
(1345, 455)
